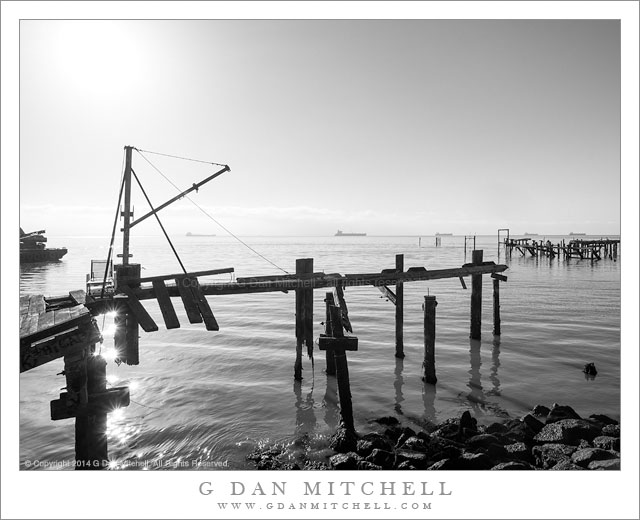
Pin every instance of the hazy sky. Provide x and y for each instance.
(384, 127)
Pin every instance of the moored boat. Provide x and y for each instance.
(33, 249)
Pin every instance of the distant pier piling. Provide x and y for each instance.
(429, 363)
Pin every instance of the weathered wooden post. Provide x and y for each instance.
(304, 312)
(496, 307)
(399, 309)
(127, 331)
(476, 296)
(429, 364)
(339, 344)
(331, 363)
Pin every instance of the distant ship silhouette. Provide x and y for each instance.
(343, 234)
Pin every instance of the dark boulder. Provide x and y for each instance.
(343, 440)
(446, 464)
(387, 421)
(372, 441)
(559, 412)
(513, 465)
(540, 411)
(607, 443)
(382, 458)
(494, 428)
(405, 465)
(612, 464)
(368, 466)
(611, 430)
(567, 465)
(548, 455)
(519, 451)
(585, 457)
(345, 461)
(475, 461)
(603, 418)
(533, 423)
(567, 431)
(415, 458)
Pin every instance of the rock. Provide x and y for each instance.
(473, 461)
(585, 457)
(513, 465)
(496, 428)
(368, 466)
(405, 465)
(612, 464)
(532, 423)
(290, 466)
(548, 455)
(583, 444)
(345, 461)
(566, 465)
(482, 441)
(415, 443)
(468, 426)
(315, 465)
(611, 430)
(448, 429)
(607, 443)
(540, 411)
(603, 419)
(567, 431)
(406, 433)
(519, 451)
(445, 465)
(415, 458)
(590, 369)
(518, 432)
(560, 412)
(343, 440)
(382, 458)
(370, 442)
(388, 421)
(393, 433)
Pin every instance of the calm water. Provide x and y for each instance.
(211, 397)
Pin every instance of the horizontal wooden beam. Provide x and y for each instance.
(190, 275)
(343, 343)
(102, 402)
(500, 277)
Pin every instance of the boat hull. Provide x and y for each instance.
(33, 256)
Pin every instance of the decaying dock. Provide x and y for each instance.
(583, 249)
(65, 327)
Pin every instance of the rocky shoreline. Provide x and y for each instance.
(555, 438)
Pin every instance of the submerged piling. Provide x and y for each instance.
(304, 314)
(399, 309)
(476, 296)
(429, 364)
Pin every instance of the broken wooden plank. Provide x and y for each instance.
(203, 306)
(166, 307)
(388, 293)
(346, 323)
(500, 277)
(36, 304)
(63, 344)
(32, 333)
(138, 310)
(464, 285)
(188, 300)
(79, 296)
(61, 315)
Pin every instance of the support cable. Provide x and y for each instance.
(160, 223)
(207, 214)
(113, 233)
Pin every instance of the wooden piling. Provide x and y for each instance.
(399, 309)
(496, 307)
(429, 364)
(304, 315)
(476, 296)
(128, 345)
(330, 360)
(342, 373)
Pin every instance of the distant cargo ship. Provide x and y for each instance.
(340, 233)
(572, 234)
(190, 234)
(444, 234)
(527, 234)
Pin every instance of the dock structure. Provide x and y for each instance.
(51, 328)
(583, 249)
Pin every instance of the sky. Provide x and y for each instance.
(389, 127)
